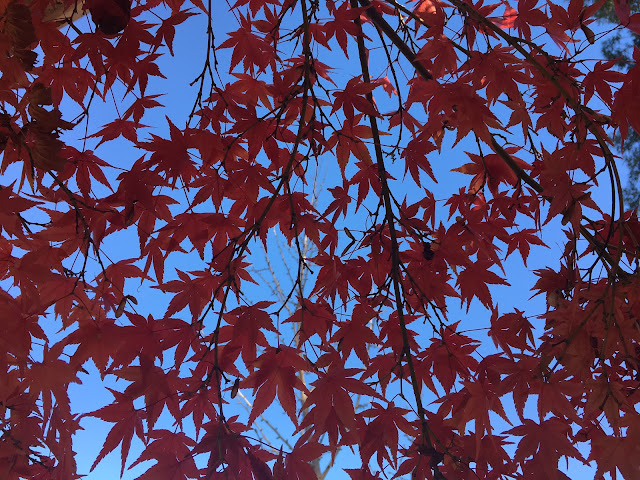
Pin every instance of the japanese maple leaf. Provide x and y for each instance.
(522, 241)
(569, 199)
(74, 81)
(623, 10)
(355, 334)
(347, 142)
(141, 338)
(363, 473)
(354, 96)
(473, 281)
(634, 23)
(139, 106)
(430, 12)
(313, 318)
(255, 5)
(392, 334)
(508, 18)
(298, 463)
(171, 157)
(546, 441)
(402, 117)
(244, 329)
(598, 80)
(200, 405)
(251, 49)
(473, 403)
(118, 128)
(448, 358)
(329, 404)
(95, 341)
(172, 453)
(96, 48)
(625, 99)
(438, 55)
(51, 378)
(276, 372)
(490, 170)
(192, 292)
(367, 178)
(127, 421)
(470, 112)
(342, 25)
(341, 202)
(296, 205)
(381, 434)
(117, 272)
(12, 206)
(555, 394)
(511, 330)
(331, 278)
(157, 387)
(612, 452)
(229, 449)
(415, 157)
(167, 31)
(145, 68)
(529, 15)
(249, 89)
(86, 165)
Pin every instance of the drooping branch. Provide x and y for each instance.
(428, 438)
(612, 264)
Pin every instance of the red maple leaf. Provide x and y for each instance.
(276, 372)
(127, 421)
(277, 127)
(473, 282)
(329, 405)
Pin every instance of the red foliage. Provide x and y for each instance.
(137, 253)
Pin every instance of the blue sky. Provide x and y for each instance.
(180, 71)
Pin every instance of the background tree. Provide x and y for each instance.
(278, 275)
(620, 46)
(457, 138)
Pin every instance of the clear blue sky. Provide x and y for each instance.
(181, 70)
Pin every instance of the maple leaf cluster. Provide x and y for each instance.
(451, 134)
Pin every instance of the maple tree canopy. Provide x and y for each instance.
(337, 126)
